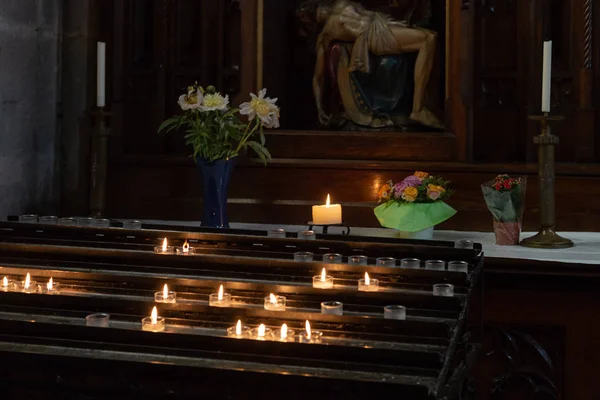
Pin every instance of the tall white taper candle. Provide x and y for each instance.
(547, 77)
(101, 75)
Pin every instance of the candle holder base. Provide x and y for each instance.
(547, 238)
(325, 227)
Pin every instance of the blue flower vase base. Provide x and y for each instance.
(425, 234)
(215, 177)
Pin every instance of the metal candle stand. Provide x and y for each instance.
(325, 227)
(99, 162)
(546, 238)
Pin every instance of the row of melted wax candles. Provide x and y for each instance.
(29, 286)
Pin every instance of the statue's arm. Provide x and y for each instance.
(319, 79)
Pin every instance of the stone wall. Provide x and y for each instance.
(29, 98)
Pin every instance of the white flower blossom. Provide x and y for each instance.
(192, 100)
(263, 107)
(215, 102)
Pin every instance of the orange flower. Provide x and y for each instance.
(410, 194)
(421, 175)
(384, 192)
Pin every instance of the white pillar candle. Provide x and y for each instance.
(101, 75)
(547, 77)
(328, 214)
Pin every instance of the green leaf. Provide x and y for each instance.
(169, 124)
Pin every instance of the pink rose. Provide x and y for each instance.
(433, 194)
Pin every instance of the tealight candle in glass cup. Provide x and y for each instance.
(458, 266)
(165, 296)
(307, 235)
(323, 281)
(332, 258)
(220, 299)
(164, 248)
(394, 312)
(132, 225)
(275, 303)
(410, 263)
(185, 250)
(98, 320)
(435, 265)
(67, 221)
(8, 285)
(310, 336)
(101, 223)
(358, 260)
(154, 323)
(443, 289)
(463, 244)
(51, 287)
(276, 233)
(284, 334)
(261, 333)
(28, 219)
(84, 221)
(368, 284)
(48, 220)
(332, 308)
(385, 262)
(28, 286)
(238, 331)
(303, 256)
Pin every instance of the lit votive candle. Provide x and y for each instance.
(332, 308)
(368, 284)
(164, 249)
(153, 323)
(51, 287)
(358, 260)
(410, 263)
(28, 286)
(165, 296)
(7, 285)
(303, 256)
(310, 336)
(185, 250)
(284, 334)
(332, 258)
(328, 214)
(385, 262)
(443, 289)
(458, 266)
(394, 312)
(436, 265)
(238, 331)
(220, 299)
(323, 281)
(275, 303)
(261, 333)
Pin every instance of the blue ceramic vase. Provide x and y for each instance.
(215, 177)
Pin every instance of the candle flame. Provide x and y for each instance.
(5, 282)
(328, 201)
(272, 299)
(154, 316)
(50, 284)
(261, 330)
(323, 275)
(27, 281)
(165, 292)
(186, 247)
(164, 246)
(284, 330)
(367, 279)
(220, 295)
(238, 327)
(307, 329)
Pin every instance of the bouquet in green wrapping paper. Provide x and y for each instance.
(415, 203)
(505, 198)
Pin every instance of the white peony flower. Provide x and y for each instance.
(215, 102)
(263, 107)
(192, 100)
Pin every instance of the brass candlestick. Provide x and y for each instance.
(546, 238)
(99, 162)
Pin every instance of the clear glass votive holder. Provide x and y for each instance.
(410, 263)
(213, 300)
(132, 225)
(385, 262)
(463, 244)
(315, 337)
(32, 288)
(28, 219)
(50, 289)
(101, 223)
(289, 337)
(98, 320)
(372, 286)
(332, 307)
(320, 283)
(394, 312)
(443, 289)
(85, 221)
(167, 250)
(159, 326)
(48, 220)
(307, 235)
(67, 221)
(257, 335)
(181, 251)
(171, 298)
(303, 256)
(435, 265)
(358, 260)
(277, 303)
(232, 332)
(8, 285)
(276, 233)
(332, 258)
(458, 266)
